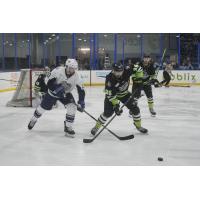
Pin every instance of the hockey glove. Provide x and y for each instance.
(155, 82)
(117, 110)
(156, 85)
(81, 106)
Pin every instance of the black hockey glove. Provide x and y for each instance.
(155, 82)
(81, 106)
(117, 110)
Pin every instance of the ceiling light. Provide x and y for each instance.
(85, 40)
(53, 35)
(84, 49)
(79, 39)
(49, 38)
(138, 36)
(105, 35)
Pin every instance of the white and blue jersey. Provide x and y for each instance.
(59, 76)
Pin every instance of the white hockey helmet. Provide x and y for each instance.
(71, 63)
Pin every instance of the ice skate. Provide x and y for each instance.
(96, 128)
(152, 111)
(69, 132)
(141, 129)
(32, 124)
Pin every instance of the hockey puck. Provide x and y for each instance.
(160, 159)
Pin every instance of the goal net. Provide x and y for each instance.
(24, 95)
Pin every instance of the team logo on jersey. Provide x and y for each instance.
(67, 86)
(124, 86)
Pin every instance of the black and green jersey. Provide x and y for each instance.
(149, 70)
(40, 84)
(137, 74)
(143, 72)
(117, 88)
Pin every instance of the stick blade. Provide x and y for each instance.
(87, 140)
(128, 137)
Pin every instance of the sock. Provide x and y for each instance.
(38, 113)
(150, 103)
(137, 120)
(101, 120)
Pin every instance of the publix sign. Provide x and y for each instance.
(186, 76)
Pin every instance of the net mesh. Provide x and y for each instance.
(24, 94)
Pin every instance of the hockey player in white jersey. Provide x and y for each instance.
(61, 82)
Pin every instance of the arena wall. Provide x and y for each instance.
(8, 80)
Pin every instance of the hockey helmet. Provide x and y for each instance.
(118, 67)
(71, 66)
(146, 55)
(118, 70)
(71, 63)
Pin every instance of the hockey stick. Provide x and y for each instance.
(164, 52)
(104, 127)
(128, 137)
(158, 67)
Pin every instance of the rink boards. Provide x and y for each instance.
(8, 80)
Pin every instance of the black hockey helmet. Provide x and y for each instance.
(118, 67)
(146, 55)
(118, 70)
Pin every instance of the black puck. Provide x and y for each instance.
(160, 159)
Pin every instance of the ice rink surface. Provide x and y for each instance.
(174, 133)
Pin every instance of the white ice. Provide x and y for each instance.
(174, 133)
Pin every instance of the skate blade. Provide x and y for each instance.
(141, 133)
(69, 136)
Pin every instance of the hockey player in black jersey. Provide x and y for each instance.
(116, 91)
(40, 87)
(148, 69)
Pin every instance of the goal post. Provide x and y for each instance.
(24, 94)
